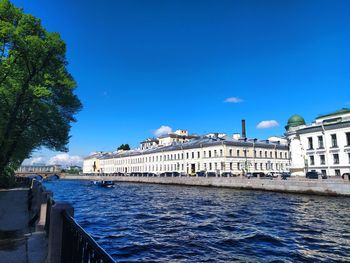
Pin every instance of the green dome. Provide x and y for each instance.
(294, 121)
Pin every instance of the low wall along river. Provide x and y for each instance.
(331, 186)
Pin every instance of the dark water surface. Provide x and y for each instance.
(148, 222)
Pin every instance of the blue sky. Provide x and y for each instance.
(143, 64)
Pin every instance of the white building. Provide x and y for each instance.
(188, 154)
(322, 146)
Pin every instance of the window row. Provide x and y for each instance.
(198, 167)
(322, 159)
(320, 141)
(194, 155)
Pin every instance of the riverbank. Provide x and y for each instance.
(328, 187)
(19, 242)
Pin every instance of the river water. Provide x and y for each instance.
(162, 223)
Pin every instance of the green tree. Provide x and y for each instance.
(37, 100)
(124, 147)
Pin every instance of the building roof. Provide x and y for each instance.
(294, 121)
(335, 113)
(150, 140)
(198, 143)
(95, 155)
(174, 135)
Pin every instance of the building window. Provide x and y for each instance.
(349, 157)
(255, 166)
(237, 152)
(230, 152)
(220, 152)
(215, 154)
(210, 166)
(347, 138)
(265, 154)
(192, 155)
(198, 155)
(324, 172)
(245, 152)
(254, 153)
(209, 153)
(337, 172)
(336, 158)
(312, 160)
(187, 155)
(322, 159)
(230, 166)
(270, 154)
(334, 140)
(238, 166)
(310, 144)
(320, 142)
(261, 166)
(280, 155)
(204, 154)
(260, 153)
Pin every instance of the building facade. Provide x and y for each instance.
(322, 146)
(188, 154)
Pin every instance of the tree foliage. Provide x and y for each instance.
(124, 147)
(37, 100)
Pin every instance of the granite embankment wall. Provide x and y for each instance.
(332, 186)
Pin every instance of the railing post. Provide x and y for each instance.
(46, 195)
(55, 230)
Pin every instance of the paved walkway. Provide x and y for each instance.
(17, 242)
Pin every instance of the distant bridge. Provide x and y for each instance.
(43, 175)
(42, 170)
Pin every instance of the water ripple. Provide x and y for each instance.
(162, 223)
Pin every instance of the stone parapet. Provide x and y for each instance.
(331, 186)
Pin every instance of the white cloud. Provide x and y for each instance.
(34, 160)
(65, 159)
(162, 130)
(267, 124)
(233, 100)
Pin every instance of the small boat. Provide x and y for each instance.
(108, 184)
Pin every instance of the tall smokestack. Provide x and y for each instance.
(244, 135)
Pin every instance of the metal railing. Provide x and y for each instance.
(23, 181)
(78, 245)
(50, 202)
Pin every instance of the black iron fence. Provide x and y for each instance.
(78, 245)
(23, 181)
(50, 202)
